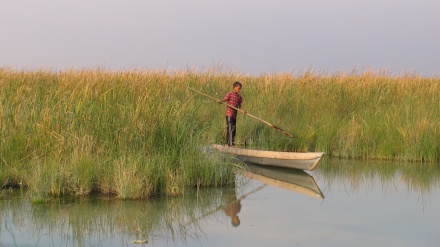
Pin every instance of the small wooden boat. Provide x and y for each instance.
(289, 179)
(302, 161)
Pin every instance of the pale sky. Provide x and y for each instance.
(248, 36)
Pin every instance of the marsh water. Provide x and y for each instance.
(341, 203)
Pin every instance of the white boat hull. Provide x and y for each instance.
(302, 161)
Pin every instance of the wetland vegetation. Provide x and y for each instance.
(138, 134)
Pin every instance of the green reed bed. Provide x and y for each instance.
(137, 134)
(369, 116)
(134, 135)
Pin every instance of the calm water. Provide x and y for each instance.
(355, 204)
(401, 36)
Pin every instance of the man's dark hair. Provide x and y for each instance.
(236, 84)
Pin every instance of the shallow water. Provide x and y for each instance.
(356, 203)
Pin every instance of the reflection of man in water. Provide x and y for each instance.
(233, 206)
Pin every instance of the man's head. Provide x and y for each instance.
(236, 87)
(235, 221)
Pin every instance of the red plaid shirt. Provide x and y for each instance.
(235, 100)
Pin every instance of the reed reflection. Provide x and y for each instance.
(106, 221)
(97, 220)
(422, 178)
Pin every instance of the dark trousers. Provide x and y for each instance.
(230, 130)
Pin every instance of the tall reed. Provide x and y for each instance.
(132, 134)
(136, 134)
(368, 115)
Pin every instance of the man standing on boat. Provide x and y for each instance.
(234, 99)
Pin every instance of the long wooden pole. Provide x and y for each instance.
(244, 112)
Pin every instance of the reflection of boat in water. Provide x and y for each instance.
(289, 179)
